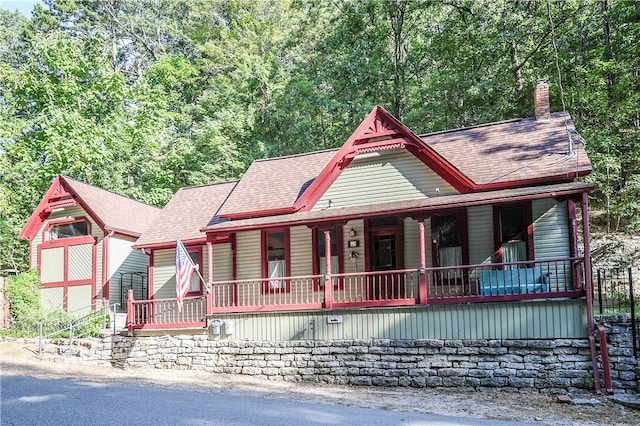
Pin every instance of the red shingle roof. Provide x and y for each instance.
(116, 212)
(186, 213)
(517, 150)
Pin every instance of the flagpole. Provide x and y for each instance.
(197, 269)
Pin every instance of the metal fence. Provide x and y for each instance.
(616, 293)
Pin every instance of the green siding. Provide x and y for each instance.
(301, 248)
(382, 177)
(525, 320)
(249, 256)
(222, 262)
(480, 230)
(349, 264)
(164, 274)
(550, 229)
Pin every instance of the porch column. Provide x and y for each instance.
(209, 277)
(130, 312)
(573, 235)
(587, 262)
(328, 286)
(422, 280)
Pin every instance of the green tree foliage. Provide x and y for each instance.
(23, 291)
(144, 97)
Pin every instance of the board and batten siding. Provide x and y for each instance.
(383, 176)
(556, 319)
(123, 259)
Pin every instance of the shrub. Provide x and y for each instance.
(23, 292)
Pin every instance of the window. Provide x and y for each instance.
(195, 286)
(276, 254)
(69, 230)
(513, 233)
(449, 238)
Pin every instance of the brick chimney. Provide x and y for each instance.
(541, 100)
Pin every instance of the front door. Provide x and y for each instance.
(386, 254)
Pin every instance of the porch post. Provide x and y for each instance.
(130, 309)
(328, 286)
(422, 280)
(573, 234)
(209, 293)
(587, 262)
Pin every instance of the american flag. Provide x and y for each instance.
(184, 271)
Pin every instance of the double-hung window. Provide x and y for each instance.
(275, 260)
(513, 233)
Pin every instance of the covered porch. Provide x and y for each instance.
(383, 284)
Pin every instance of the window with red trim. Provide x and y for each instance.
(196, 282)
(76, 228)
(513, 226)
(275, 260)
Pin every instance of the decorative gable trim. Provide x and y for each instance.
(59, 195)
(381, 131)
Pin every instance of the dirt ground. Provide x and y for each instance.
(19, 358)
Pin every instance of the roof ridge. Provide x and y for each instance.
(204, 185)
(300, 154)
(493, 123)
(67, 178)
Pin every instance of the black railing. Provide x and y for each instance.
(615, 293)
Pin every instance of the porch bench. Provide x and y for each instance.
(513, 281)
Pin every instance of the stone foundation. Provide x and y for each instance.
(522, 366)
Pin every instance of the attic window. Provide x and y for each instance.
(69, 230)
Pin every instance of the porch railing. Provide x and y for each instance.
(540, 279)
(164, 313)
(551, 278)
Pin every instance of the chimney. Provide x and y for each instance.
(541, 100)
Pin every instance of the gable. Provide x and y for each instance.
(378, 177)
(109, 210)
(380, 132)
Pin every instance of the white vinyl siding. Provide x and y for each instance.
(123, 259)
(384, 176)
(480, 233)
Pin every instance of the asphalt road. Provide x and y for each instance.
(34, 401)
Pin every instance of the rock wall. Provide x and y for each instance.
(523, 366)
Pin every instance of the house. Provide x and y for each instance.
(470, 233)
(80, 240)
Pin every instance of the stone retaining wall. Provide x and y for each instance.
(524, 366)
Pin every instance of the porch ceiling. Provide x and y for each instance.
(402, 208)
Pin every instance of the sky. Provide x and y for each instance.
(23, 6)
